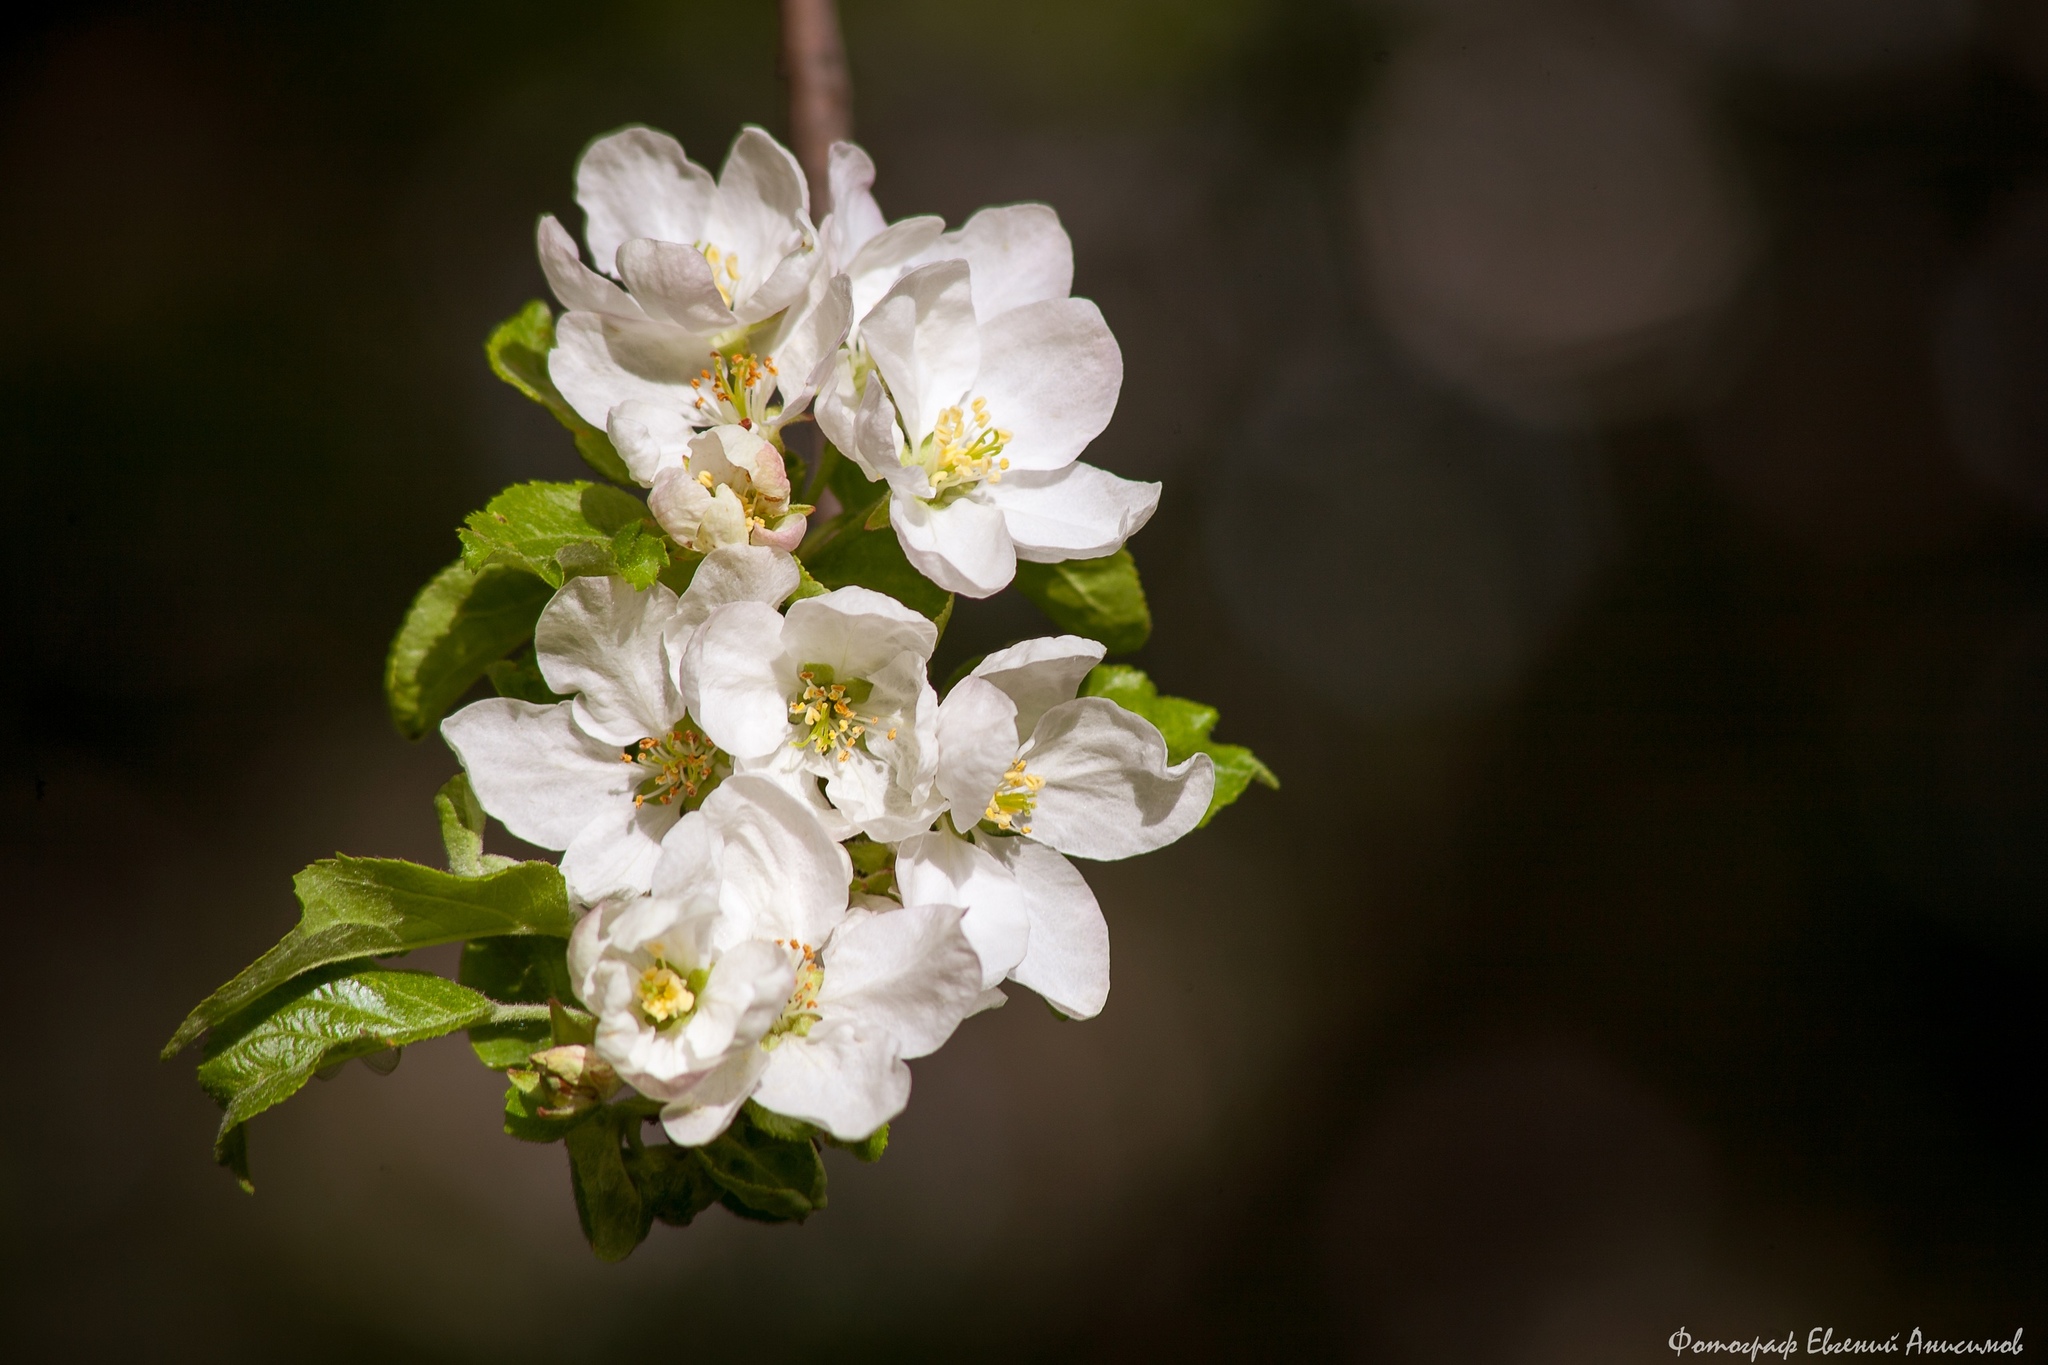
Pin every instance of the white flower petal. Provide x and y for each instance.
(637, 183)
(923, 338)
(601, 641)
(910, 972)
(943, 869)
(744, 995)
(846, 1079)
(1019, 254)
(576, 285)
(1051, 372)
(673, 282)
(704, 1111)
(534, 771)
(855, 215)
(739, 573)
(615, 853)
(858, 631)
(884, 259)
(600, 362)
(1078, 512)
(649, 437)
(1109, 792)
(963, 547)
(1067, 957)
(763, 213)
(806, 347)
(1040, 674)
(732, 679)
(781, 875)
(977, 741)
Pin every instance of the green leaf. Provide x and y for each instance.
(560, 530)
(529, 970)
(455, 628)
(518, 351)
(673, 1183)
(615, 1219)
(462, 830)
(761, 1176)
(780, 1127)
(869, 1148)
(806, 586)
(519, 678)
(873, 559)
(1099, 598)
(373, 907)
(269, 1050)
(1185, 725)
(523, 1119)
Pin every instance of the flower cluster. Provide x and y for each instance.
(719, 753)
(789, 864)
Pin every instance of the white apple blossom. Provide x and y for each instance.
(1020, 754)
(705, 327)
(724, 486)
(833, 691)
(604, 775)
(744, 974)
(977, 427)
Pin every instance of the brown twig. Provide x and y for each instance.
(820, 91)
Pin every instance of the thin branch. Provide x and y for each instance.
(820, 91)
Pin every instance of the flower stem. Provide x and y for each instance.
(820, 91)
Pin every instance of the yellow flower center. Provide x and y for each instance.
(725, 270)
(965, 448)
(802, 1009)
(1015, 797)
(823, 709)
(681, 765)
(664, 994)
(734, 389)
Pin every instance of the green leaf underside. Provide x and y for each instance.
(518, 352)
(461, 818)
(622, 1187)
(373, 907)
(560, 530)
(869, 1148)
(458, 625)
(873, 559)
(519, 678)
(1099, 598)
(1185, 725)
(529, 970)
(763, 1176)
(264, 1054)
(608, 1203)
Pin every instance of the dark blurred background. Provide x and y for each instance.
(1606, 459)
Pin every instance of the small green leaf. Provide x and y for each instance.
(519, 678)
(523, 1119)
(373, 907)
(529, 970)
(264, 1054)
(1185, 726)
(560, 530)
(806, 586)
(462, 830)
(673, 1183)
(1099, 598)
(780, 1127)
(615, 1219)
(518, 352)
(760, 1176)
(869, 1148)
(455, 628)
